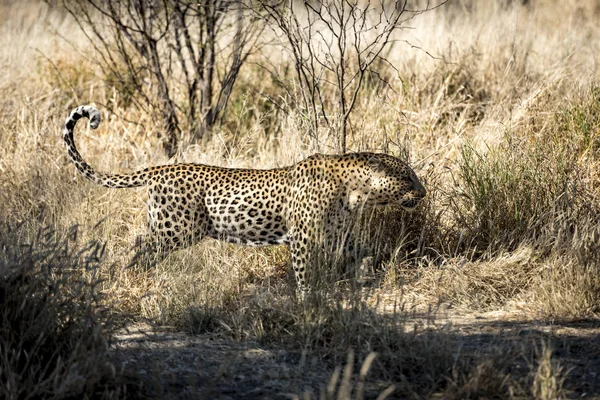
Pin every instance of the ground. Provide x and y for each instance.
(177, 365)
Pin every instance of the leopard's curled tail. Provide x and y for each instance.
(135, 179)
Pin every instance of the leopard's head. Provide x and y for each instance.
(392, 181)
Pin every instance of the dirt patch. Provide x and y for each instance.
(174, 365)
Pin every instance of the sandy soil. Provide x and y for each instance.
(175, 365)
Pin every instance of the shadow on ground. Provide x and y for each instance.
(174, 365)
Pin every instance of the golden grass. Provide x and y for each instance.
(503, 122)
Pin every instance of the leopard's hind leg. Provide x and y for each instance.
(176, 219)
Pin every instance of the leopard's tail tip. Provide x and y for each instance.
(94, 116)
(89, 112)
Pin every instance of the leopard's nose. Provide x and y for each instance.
(420, 190)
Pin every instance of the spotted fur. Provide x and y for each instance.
(297, 205)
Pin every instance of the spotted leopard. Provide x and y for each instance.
(298, 205)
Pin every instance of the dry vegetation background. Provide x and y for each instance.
(490, 290)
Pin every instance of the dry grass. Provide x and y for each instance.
(55, 329)
(504, 125)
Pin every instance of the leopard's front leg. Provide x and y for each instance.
(299, 253)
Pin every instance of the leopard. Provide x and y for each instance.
(300, 206)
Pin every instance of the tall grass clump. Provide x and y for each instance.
(579, 125)
(54, 328)
(511, 191)
(537, 183)
(525, 211)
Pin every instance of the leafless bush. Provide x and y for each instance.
(168, 56)
(334, 45)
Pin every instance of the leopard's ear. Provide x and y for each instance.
(376, 165)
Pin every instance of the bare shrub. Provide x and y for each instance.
(335, 45)
(169, 57)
